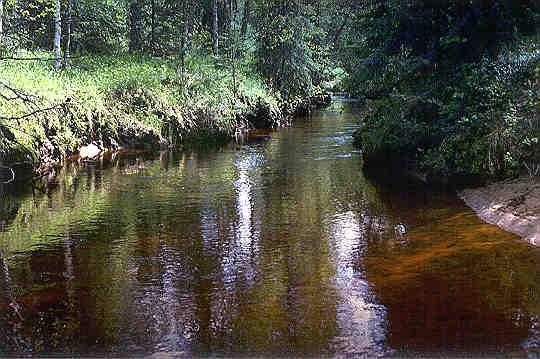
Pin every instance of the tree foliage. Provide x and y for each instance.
(439, 77)
(443, 80)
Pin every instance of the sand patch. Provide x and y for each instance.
(513, 205)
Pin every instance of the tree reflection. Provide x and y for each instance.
(277, 248)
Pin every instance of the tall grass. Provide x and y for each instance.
(102, 96)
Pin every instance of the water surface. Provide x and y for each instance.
(280, 246)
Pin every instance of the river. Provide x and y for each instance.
(280, 246)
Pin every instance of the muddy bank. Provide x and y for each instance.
(95, 136)
(513, 205)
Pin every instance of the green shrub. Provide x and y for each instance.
(480, 119)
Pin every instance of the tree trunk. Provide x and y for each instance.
(183, 43)
(215, 27)
(245, 18)
(57, 35)
(135, 25)
(233, 36)
(153, 37)
(339, 31)
(1, 24)
(67, 49)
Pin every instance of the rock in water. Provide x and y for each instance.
(89, 152)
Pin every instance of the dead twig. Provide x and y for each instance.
(12, 175)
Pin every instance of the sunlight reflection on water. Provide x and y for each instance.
(275, 248)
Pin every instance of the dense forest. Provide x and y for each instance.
(451, 88)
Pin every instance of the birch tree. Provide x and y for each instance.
(1, 23)
(153, 29)
(215, 27)
(67, 49)
(234, 43)
(57, 35)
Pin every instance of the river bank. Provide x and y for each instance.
(513, 205)
(103, 103)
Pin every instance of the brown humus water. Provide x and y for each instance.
(277, 247)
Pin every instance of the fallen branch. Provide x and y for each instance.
(35, 112)
(12, 58)
(12, 175)
(19, 95)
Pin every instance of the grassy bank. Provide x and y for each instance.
(127, 101)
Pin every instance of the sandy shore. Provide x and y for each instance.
(513, 205)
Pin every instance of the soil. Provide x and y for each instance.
(513, 205)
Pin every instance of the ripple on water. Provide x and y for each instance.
(277, 248)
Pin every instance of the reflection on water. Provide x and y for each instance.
(278, 247)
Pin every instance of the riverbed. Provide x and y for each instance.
(276, 246)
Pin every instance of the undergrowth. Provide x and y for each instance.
(478, 119)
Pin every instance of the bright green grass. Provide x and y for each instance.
(117, 91)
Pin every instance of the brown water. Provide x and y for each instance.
(275, 247)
